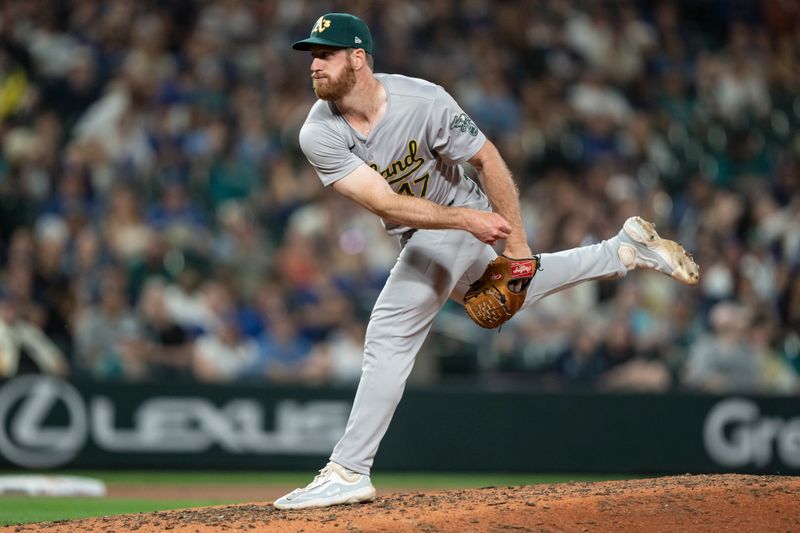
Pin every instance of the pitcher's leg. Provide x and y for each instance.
(417, 288)
(637, 245)
(564, 269)
(388, 360)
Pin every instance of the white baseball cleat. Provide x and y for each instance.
(335, 485)
(641, 247)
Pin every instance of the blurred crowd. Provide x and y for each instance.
(158, 221)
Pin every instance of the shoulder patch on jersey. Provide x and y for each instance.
(464, 123)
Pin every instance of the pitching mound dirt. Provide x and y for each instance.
(679, 504)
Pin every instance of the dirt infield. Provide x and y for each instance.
(730, 503)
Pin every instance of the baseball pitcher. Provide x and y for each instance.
(396, 146)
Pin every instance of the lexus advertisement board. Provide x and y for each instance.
(48, 423)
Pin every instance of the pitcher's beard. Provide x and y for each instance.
(331, 89)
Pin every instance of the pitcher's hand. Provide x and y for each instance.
(489, 227)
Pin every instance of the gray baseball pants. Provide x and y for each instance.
(435, 265)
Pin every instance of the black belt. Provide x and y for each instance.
(406, 236)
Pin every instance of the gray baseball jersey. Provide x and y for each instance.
(417, 147)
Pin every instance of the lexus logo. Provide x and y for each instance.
(27, 437)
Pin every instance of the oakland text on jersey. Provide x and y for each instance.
(405, 166)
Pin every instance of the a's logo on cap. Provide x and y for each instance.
(358, 41)
(321, 25)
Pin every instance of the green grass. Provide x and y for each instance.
(20, 509)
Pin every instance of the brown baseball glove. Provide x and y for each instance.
(500, 292)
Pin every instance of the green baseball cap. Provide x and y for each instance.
(340, 30)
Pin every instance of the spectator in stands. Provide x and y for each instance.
(182, 222)
(724, 360)
(24, 348)
(107, 333)
(86, 265)
(223, 354)
(777, 376)
(126, 233)
(343, 353)
(240, 246)
(582, 363)
(185, 299)
(286, 355)
(53, 294)
(112, 134)
(165, 347)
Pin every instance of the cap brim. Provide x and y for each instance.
(306, 44)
